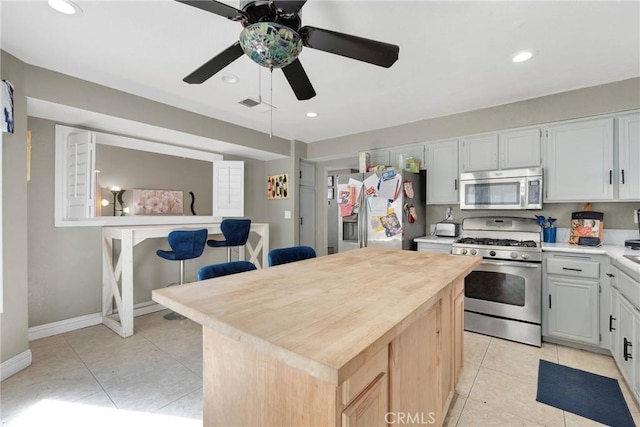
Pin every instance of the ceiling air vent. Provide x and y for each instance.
(256, 105)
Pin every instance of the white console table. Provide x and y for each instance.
(122, 270)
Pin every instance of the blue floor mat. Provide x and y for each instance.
(583, 393)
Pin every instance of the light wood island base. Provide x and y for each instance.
(331, 341)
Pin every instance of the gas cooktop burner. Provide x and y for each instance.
(487, 241)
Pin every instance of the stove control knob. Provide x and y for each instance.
(525, 256)
(492, 253)
(464, 252)
(514, 255)
(473, 252)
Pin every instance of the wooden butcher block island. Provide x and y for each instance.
(366, 337)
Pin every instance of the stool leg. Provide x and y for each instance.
(182, 272)
(173, 315)
(228, 253)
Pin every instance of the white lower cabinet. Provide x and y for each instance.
(443, 248)
(624, 327)
(572, 303)
(573, 309)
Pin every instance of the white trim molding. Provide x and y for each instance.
(75, 323)
(15, 364)
(62, 326)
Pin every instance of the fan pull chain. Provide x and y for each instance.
(271, 102)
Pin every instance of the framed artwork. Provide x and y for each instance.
(157, 202)
(7, 106)
(330, 181)
(330, 193)
(278, 186)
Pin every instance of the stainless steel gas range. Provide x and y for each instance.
(503, 295)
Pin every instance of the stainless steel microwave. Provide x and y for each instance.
(503, 189)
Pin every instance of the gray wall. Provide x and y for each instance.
(13, 320)
(609, 98)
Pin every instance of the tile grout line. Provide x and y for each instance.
(64, 335)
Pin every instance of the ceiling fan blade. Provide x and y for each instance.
(371, 51)
(216, 8)
(215, 64)
(288, 7)
(298, 80)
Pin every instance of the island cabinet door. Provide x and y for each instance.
(416, 370)
(370, 409)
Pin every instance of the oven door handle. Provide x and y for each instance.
(512, 264)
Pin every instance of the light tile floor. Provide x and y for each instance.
(499, 384)
(92, 377)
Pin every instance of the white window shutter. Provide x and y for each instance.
(79, 171)
(228, 193)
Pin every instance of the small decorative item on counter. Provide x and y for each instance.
(548, 232)
(587, 227)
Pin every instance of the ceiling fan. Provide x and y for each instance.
(273, 37)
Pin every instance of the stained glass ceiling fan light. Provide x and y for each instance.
(270, 44)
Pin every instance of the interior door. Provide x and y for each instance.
(307, 204)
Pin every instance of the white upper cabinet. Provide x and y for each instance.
(578, 161)
(628, 175)
(380, 157)
(479, 153)
(520, 148)
(442, 172)
(398, 156)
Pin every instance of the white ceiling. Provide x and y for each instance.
(454, 57)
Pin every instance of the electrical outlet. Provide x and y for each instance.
(449, 215)
(635, 216)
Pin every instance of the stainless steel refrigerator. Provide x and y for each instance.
(371, 213)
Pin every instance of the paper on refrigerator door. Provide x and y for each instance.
(356, 187)
(371, 185)
(378, 206)
(389, 189)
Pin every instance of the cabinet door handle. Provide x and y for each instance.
(627, 355)
(611, 319)
(610, 176)
(455, 184)
(611, 275)
(623, 176)
(571, 269)
(549, 300)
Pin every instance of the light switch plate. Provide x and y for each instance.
(287, 214)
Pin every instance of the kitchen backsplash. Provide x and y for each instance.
(616, 215)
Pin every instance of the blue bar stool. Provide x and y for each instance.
(235, 232)
(185, 244)
(292, 254)
(224, 269)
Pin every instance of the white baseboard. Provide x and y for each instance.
(62, 326)
(68, 325)
(15, 364)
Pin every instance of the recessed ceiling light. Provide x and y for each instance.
(525, 55)
(65, 6)
(230, 78)
(312, 114)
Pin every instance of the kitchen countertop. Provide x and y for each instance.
(324, 314)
